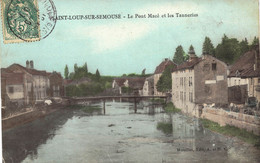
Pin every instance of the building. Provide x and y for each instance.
(16, 87)
(34, 81)
(128, 85)
(56, 84)
(117, 85)
(148, 87)
(158, 73)
(198, 81)
(244, 77)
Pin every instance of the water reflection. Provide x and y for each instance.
(73, 135)
(189, 135)
(23, 141)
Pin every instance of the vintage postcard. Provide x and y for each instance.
(130, 81)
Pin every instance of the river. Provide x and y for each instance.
(73, 135)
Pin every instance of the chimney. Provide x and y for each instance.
(31, 65)
(27, 64)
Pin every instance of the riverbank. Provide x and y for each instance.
(29, 116)
(232, 131)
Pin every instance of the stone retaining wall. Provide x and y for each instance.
(25, 117)
(222, 117)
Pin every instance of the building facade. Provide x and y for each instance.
(35, 81)
(199, 81)
(158, 73)
(246, 72)
(56, 85)
(148, 88)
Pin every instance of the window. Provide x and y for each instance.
(11, 89)
(190, 81)
(214, 66)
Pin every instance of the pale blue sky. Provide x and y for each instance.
(123, 46)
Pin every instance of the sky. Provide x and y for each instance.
(123, 46)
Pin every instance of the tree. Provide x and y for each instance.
(66, 72)
(97, 75)
(165, 81)
(85, 67)
(208, 47)
(244, 46)
(143, 72)
(255, 42)
(179, 55)
(228, 50)
(75, 68)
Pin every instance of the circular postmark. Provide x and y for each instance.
(24, 21)
(48, 17)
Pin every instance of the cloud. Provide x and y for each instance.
(113, 36)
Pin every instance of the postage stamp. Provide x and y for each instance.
(20, 21)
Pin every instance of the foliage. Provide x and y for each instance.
(244, 47)
(165, 127)
(254, 43)
(170, 108)
(143, 72)
(97, 75)
(127, 90)
(92, 88)
(228, 50)
(208, 47)
(179, 55)
(232, 131)
(66, 72)
(165, 81)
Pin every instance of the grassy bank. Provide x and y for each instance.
(232, 131)
(170, 108)
(165, 127)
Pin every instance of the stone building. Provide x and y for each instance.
(158, 73)
(148, 87)
(245, 73)
(198, 81)
(16, 87)
(56, 84)
(39, 83)
(128, 85)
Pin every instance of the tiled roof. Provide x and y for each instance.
(120, 81)
(30, 71)
(188, 64)
(14, 78)
(244, 66)
(134, 82)
(159, 69)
